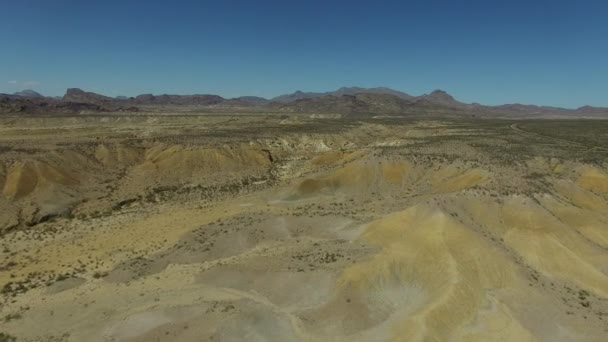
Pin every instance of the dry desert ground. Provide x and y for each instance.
(298, 228)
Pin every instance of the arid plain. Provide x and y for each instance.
(299, 228)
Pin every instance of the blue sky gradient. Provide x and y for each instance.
(491, 52)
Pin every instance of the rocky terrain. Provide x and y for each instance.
(298, 227)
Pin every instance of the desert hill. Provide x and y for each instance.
(79, 96)
(28, 93)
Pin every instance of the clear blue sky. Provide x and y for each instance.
(492, 52)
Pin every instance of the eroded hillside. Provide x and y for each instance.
(230, 228)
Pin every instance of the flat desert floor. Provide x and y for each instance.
(292, 228)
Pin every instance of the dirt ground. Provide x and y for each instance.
(297, 228)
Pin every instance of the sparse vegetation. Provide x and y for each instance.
(12, 316)
(7, 338)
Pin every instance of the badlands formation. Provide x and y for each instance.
(293, 228)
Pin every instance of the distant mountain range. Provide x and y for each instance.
(349, 101)
(299, 95)
(386, 101)
(15, 104)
